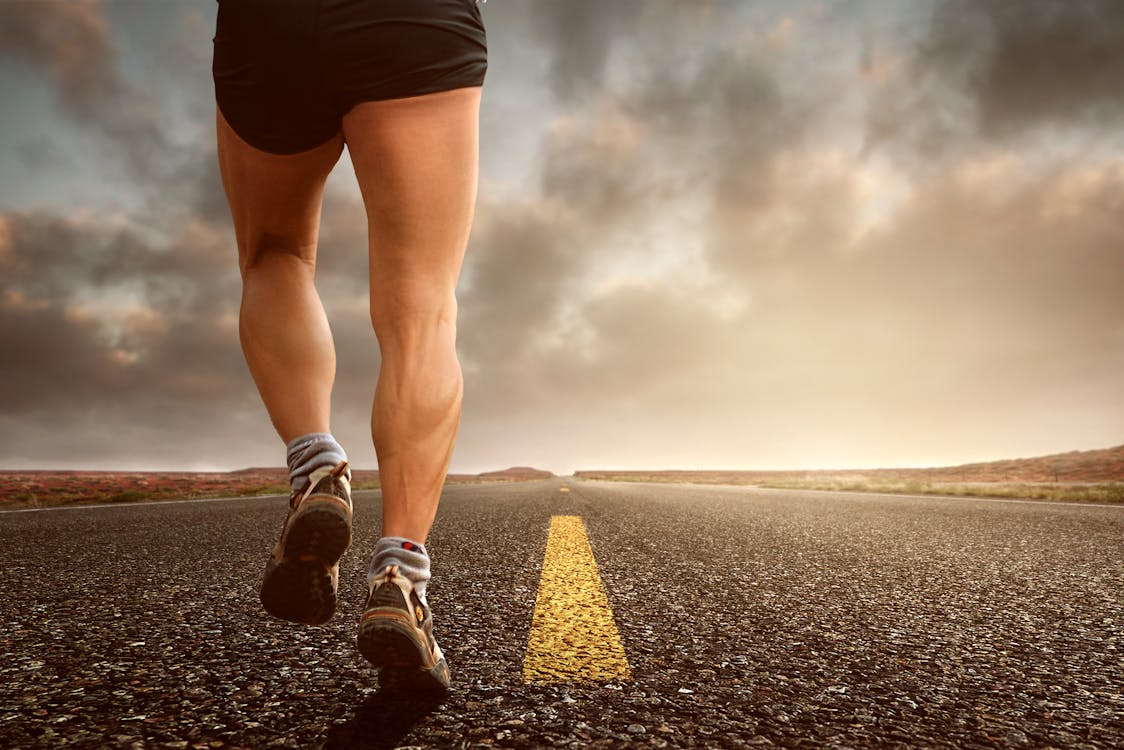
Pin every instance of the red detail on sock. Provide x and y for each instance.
(408, 545)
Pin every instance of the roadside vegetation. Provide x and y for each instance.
(56, 498)
(1074, 492)
(1094, 476)
(48, 489)
(31, 499)
(1100, 492)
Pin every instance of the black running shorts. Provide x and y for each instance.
(287, 71)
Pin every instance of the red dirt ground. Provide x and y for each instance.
(20, 489)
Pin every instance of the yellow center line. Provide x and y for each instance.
(573, 635)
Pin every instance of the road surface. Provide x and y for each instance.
(744, 618)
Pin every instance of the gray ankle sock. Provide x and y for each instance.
(309, 452)
(410, 556)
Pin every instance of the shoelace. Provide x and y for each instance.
(343, 467)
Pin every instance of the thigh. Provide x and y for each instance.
(275, 199)
(416, 160)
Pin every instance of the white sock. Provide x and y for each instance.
(308, 453)
(410, 556)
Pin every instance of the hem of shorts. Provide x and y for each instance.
(461, 80)
(272, 148)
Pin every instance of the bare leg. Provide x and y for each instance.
(275, 201)
(416, 160)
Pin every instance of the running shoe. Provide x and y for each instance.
(396, 636)
(302, 575)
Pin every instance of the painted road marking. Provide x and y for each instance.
(573, 635)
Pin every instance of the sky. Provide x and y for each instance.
(713, 235)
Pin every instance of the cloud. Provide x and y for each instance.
(71, 43)
(100, 316)
(580, 34)
(977, 292)
(1053, 63)
(999, 71)
(989, 289)
(699, 260)
(525, 261)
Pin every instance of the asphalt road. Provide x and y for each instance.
(748, 618)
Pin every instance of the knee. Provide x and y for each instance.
(271, 250)
(405, 312)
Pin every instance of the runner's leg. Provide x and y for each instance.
(416, 160)
(275, 202)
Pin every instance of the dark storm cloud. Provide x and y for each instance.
(1003, 69)
(55, 360)
(711, 121)
(600, 178)
(600, 170)
(71, 44)
(526, 260)
(125, 324)
(100, 316)
(58, 259)
(748, 122)
(692, 121)
(1045, 63)
(581, 34)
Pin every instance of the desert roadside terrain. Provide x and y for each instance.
(39, 489)
(1076, 476)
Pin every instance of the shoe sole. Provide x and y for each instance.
(300, 588)
(403, 662)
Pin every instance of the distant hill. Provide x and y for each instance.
(516, 472)
(1104, 465)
